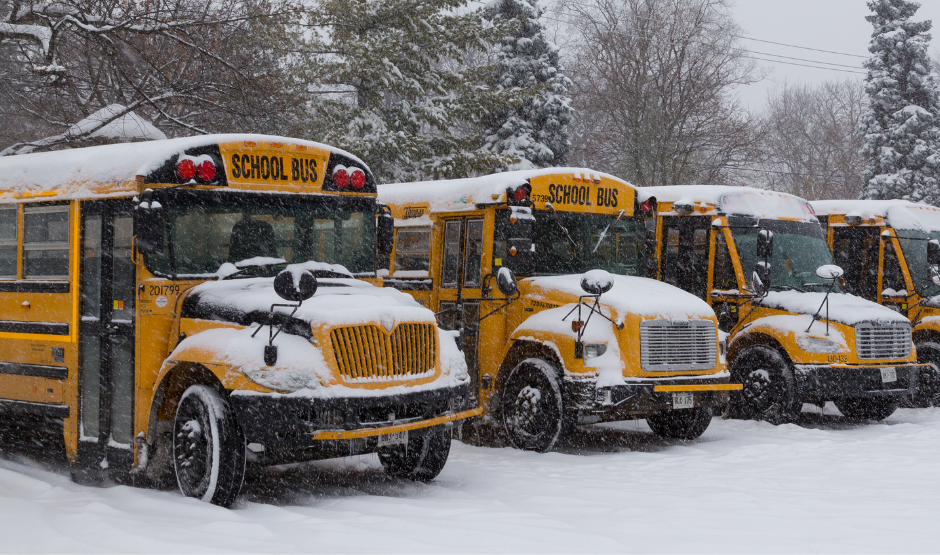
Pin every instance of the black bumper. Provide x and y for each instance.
(635, 399)
(292, 422)
(825, 383)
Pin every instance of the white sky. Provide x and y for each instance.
(836, 25)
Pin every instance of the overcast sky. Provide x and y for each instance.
(835, 25)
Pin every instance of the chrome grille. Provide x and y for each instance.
(368, 354)
(882, 341)
(670, 345)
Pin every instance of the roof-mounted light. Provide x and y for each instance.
(186, 169)
(340, 177)
(205, 171)
(357, 178)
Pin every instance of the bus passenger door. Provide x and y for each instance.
(460, 289)
(685, 253)
(106, 335)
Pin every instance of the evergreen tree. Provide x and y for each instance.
(902, 124)
(531, 125)
(394, 85)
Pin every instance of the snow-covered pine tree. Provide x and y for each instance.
(902, 124)
(532, 123)
(395, 82)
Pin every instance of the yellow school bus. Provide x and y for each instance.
(889, 252)
(184, 307)
(760, 259)
(579, 338)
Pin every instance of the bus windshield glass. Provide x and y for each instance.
(597, 241)
(263, 231)
(799, 249)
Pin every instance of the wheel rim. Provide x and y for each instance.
(758, 389)
(527, 411)
(192, 447)
(533, 420)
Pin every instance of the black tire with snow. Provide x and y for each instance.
(208, 447)
(928, 382)
(422, 459)
(867, 409)
(769, 391)
(680, 424)
(532, 410)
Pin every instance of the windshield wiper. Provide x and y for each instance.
(786, 288)
(574, 245)
(604, 233)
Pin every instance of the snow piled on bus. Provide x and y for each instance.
(75, 172)
(843, 307)
(899, 214)
(732, 200)
(301, 369)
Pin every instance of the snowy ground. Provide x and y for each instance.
(824, 485)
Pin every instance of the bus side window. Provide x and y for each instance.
(892, 279)
(724, 278)
(8, 216)
(451, 261)
(670, 261)
(473, 254)
(412, 248)
(46, 241)
(856, 251)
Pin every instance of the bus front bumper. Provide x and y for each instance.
(645, 397)
(296, 422)
(817, 383)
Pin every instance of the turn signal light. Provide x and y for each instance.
(186, 169)
(341, 177)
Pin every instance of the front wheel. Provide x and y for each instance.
(866, 409)
(421, 459)
(680, 424)
(208, 447)
(532, 412)
(768, 392)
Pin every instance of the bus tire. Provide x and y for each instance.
(928, 382)
(680, 424)
(769, 389)
(866, 409)
(422, 459)
(532, 410)
(208, 447)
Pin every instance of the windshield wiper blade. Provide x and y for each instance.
(604, 233)
(574, 245)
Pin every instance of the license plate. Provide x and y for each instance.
(889, 374)
(394, 438)
(682, 400)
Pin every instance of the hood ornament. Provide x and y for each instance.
(388, 322)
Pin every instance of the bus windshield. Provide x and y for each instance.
(264, 231)
(914, 246)
(799, 249)
(597, 241)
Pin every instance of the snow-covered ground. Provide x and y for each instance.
(825, 485)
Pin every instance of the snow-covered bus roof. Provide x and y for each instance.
(457, 195)
(731, 200)
(901, 214)
(118, 169)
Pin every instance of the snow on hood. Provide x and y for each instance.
(464, 194)
(844, 308)
(636, 295)
(75, 168)
(337, 302)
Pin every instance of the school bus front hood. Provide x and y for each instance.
(842, 307)
(629, 295)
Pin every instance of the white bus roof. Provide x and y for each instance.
(746, 201)
(452, 195)
(80, 172)
(902, 214)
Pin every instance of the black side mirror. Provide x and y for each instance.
(933, 252)
(506, 282)
(765, 244)
(596, 282)
(295, 285)
(760, 279)
(149, 224)
(384, 237)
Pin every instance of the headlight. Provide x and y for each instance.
(594, 350)
(819, 345)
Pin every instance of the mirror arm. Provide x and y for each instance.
(825, 302)
(579, 343)
(508, 302)
(270, 350)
